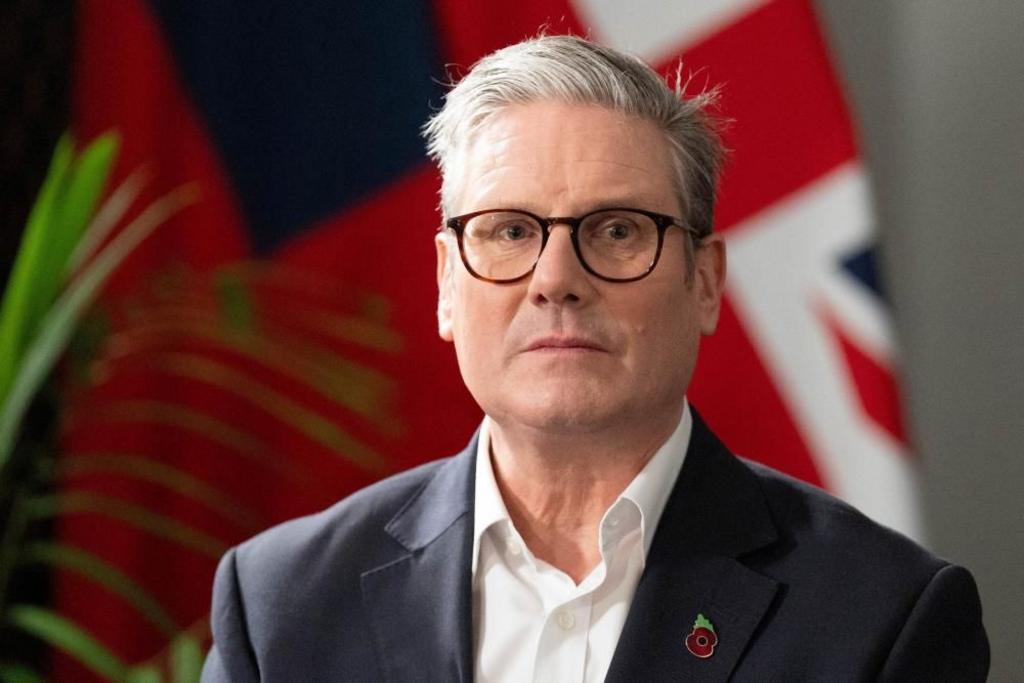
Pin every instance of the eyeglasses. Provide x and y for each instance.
(614, 244)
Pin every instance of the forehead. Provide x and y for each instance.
(552, 156)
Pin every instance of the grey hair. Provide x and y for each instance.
(576, 71)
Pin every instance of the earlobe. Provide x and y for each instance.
(444, 288)
(711, 270)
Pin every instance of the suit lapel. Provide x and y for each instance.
(420, 603)
(716, 513)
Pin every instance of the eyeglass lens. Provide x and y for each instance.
(505, 245)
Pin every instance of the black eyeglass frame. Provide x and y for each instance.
(457, 224)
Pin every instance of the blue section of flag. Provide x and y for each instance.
(863, 265)
(311, 105)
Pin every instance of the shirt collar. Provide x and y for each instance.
(488, 506)
(652, 486)
(649, 490)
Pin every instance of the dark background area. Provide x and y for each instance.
(36, 46)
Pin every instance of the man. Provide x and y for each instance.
(594, 528)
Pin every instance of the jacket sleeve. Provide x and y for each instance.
(943, 639)
(231, 659)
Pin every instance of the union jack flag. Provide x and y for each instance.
(300, 124)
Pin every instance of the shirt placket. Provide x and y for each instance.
(562, 650)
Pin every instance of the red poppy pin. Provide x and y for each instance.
(702, 639)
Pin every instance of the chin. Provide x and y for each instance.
(565, 408)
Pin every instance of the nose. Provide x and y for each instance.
(559, 277)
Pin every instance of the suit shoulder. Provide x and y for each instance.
(356, 521)
(868, 602)
(819, 524)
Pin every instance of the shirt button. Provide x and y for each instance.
(514, 548)
(613, 522)
(566, 620)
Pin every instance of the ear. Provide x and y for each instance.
(709, 280)
(445, 288)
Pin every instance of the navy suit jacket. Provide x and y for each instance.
(798, 585)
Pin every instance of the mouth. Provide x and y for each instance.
(565, 345)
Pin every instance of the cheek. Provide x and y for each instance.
(479, 325)
(665, 334)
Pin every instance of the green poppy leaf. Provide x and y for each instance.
(703, 622)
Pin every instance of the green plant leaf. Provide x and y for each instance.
(369, 330)
(234, 301)
(144, 674)
(85, 345)
(180, 416)
(171, 478)
(362, 390)
(106, 575)
(368, 333)
(64, 209)
(68, 637)
(312, 425)
(134, 515)
(186, 659)
(23, 300)
(85, 183)
(18, 673)
(58, 325)
(109, 215)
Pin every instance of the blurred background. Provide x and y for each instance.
(219, 300)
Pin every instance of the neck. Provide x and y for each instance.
(558, 485)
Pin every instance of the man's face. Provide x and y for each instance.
(563, 350)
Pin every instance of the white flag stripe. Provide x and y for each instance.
(865, 317)
(783, 275)
(658, 29)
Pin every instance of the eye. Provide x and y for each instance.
(513, 232)
(502, 228)
(618, 231)
(615, 229)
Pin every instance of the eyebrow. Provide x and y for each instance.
(635, 201)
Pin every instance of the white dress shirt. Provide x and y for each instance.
(531, 621)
